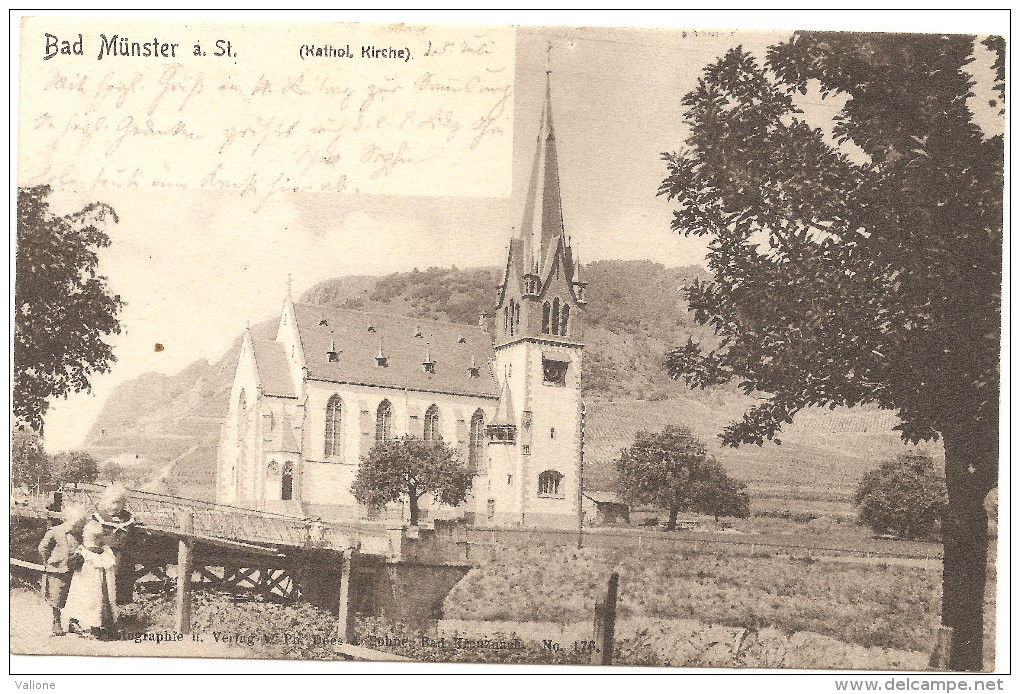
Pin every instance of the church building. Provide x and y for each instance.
(309, 402)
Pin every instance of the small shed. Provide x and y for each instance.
(603, 508)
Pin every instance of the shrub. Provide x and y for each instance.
(904, 497)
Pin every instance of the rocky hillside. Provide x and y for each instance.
(168, 426)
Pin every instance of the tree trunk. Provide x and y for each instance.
(673, 512)
(970, 469)
(414, 507)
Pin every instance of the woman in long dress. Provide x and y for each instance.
(91, 606)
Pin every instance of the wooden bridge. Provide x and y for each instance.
(347, 568)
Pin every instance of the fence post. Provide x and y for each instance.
(184, 558)
(605, 624)
(940, 656)
(345, 615)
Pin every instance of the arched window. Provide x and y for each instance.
(545, 318)
(287, 482)
(513, 313)
(476, 445)
(431, 433)
(549, 483)
(384, 421)
(564, 318)
(506, 319)
(334, 426)
(242, 417)
(517, 318)
(555, 321)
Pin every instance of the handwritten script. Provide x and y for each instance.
(260, 110)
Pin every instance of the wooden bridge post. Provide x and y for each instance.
(345, 615)
(184, 557)
(605, 624)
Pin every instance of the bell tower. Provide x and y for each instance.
(534, 441)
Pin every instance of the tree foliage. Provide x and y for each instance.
(861, 265)
(903, 497)
(76, 467)
(33, 467)
(409, 468)
(30, 465)
(673, 470)
(838, 281)
(62, 307)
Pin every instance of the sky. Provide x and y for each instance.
(193, 267)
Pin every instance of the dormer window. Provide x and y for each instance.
(380, 360)
(462, 340)
(474, 371)
(417, 332)
(430, 367)
(371, 328)
(324, 322)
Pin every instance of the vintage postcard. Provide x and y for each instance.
(531, 345)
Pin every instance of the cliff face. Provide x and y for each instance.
(168, 426)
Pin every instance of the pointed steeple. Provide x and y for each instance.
(543, 210)
(505, 410)
(539, 273)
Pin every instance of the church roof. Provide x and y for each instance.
(273, 372)
(405, 343)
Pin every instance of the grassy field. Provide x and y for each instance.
(882, 611)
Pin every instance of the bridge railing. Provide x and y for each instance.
(164, 512)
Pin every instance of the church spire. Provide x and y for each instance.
(539, 295)
(543, 211)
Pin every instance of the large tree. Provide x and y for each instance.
(76, 467)
(410, 468)
(62, 306)
(861, 265)
(673, 470)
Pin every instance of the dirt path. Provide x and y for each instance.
(30, 635)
